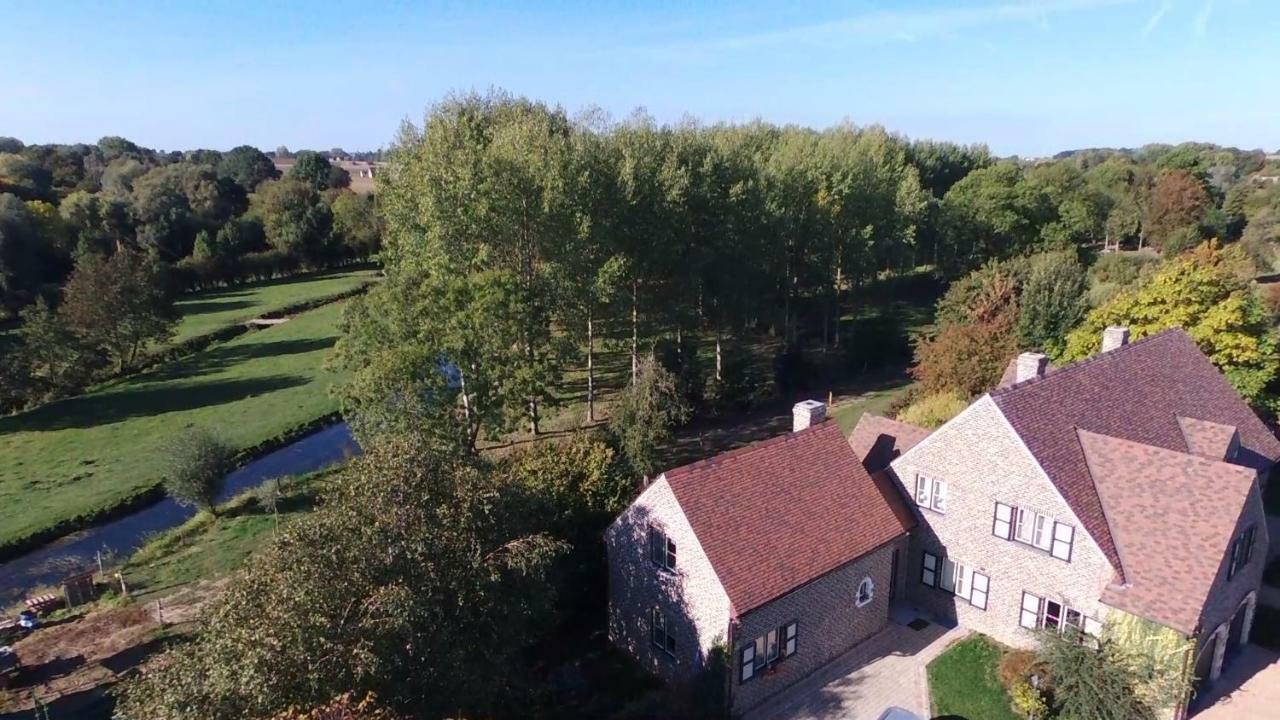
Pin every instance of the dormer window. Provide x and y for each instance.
(662, 549)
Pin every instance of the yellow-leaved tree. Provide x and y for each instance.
(1207, 293)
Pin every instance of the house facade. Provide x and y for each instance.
(1124, 485)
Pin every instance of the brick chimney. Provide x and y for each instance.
(1114, 337)
(1031, 365)
(806, 413)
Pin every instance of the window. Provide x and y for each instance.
(772, 647)
(866, 592)
(955, 578)
(1035, 529)
(659, 634)
(662, 549)
(929, 570)
(931, 493)
(1042, 613)
(1241, 551)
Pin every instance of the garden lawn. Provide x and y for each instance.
(963, 682)
(205, 312)
(93, 451)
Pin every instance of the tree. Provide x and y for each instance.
(645, 415)
(315, 170)
(10, 144)
(198, 462)
(294, 218)
(51, 360)
(119, 305)
(24, 178)
(248, 166)
(932, 411)
(356, 223)
(1053, 300)
(1178, 200)
(415, 580)
(991, 213)
(1096, 683)
(967, 358)
(1203, 293)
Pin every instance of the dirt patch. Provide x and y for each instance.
(77, 654)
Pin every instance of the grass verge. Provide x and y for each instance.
(73, 458)
(963, 682)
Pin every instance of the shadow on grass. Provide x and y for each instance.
(203, 307)
(110, 407)
(224, 356)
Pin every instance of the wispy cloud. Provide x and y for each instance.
(1156, 17)
(891, 25)
(1202, 18)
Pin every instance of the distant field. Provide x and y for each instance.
(93, 451)
(208, 311)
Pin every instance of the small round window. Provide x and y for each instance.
(866, 591)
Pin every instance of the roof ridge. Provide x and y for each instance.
(1090, 361)
(1190, 456)
(747, 449)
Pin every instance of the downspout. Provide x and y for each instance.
(731, 667)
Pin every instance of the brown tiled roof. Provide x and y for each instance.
(1172, 517)
(1136, 393)
(777, 514)
(878, 440)
(1207, 439)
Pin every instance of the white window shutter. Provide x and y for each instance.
(1002, 526)
(1030, 616)
(748, 662)
(1092, 627)
(979, 584)
(929, 570)
(1063, 537)
(924, 491)
(940, 496)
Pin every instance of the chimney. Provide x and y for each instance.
(1031, 365)
(806, 413)
(1114, 337)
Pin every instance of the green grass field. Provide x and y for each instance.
(209, 311)
(89, 452)
(963, 682)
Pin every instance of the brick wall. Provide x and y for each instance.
(829, 623)
(983, 461)
(695, 604)
(1227, 595)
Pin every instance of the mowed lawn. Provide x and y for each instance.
(209, 311)
(92, 451)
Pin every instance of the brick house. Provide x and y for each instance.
(1126, 484)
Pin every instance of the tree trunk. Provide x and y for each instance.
(836, 329)
(635, 334)
(719, 358)
(533, 418)
(591, 379)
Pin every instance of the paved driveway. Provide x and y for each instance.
(1249, 689)
(887, 669)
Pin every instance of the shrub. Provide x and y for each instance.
(1028, 701)
(965, 359)
(1016, 667)
(932, 411)
(198, 461)
(645, 415)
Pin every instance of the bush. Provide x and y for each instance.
(1028, 701)
(932, 411)
(965, 359)
(198, 463)
(681, 360)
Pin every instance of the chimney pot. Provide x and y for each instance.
(1031, 365)
(807, 413)
(1114, 337)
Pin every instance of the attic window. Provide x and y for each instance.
(662, 549)
(931, 493)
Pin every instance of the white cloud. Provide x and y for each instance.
(1156, 17)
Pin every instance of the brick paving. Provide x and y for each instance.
(886, 670)
(1249, 689)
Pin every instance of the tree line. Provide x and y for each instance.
(213, 217)
(519, 238)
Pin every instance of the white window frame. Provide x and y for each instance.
(747, 662)
(931, 493)
(774, 646)
(929, 569)
(1034, 615)
(1033, 529)
(956, 578)
(1002, 523)
(869, 586)
(1064, 538)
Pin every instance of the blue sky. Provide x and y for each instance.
(1028, 77)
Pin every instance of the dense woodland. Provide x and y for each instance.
(97, 240)
(519, 238)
